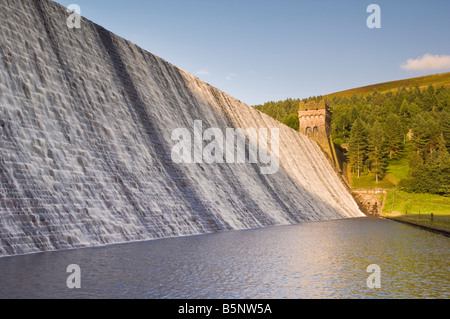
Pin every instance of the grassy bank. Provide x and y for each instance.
(367, 181)
(406, 207)
(402, 202)
(396, 170)
(442, 79)
(439, 223)
(427, 210)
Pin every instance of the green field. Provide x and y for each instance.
(417, 209)
(402, 202)
(436, 80)
(439, 222)
(403, 206)
(397, 170)
(367, 181)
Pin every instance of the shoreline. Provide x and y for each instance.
(435, 229)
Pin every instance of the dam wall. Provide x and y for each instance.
(86, 124)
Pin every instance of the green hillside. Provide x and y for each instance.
(437, 80)
(399, 138)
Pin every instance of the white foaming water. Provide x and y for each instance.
(85, 137)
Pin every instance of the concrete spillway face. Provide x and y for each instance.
(87, 125)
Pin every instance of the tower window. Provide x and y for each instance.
(308, 131)
(316, 131)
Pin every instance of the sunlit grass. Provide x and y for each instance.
(398, 169)
(417, 208)
(367, 181)
(403, 202)
(423, 82)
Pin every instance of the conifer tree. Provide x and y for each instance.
(442, 152)
(377, 150)
(357, 147)
(394, 133)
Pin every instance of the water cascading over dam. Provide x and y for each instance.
(86, 122)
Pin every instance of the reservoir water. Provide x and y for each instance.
(310, 260)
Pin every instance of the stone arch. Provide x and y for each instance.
(308, 131)
(316, 131)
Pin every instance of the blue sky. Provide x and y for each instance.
(263, 50)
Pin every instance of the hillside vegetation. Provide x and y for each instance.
(437, 80)
(398, 138)
(404, 134)
(286, 111)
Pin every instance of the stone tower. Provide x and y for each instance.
(315, 121)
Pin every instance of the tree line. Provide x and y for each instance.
(285, 112)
